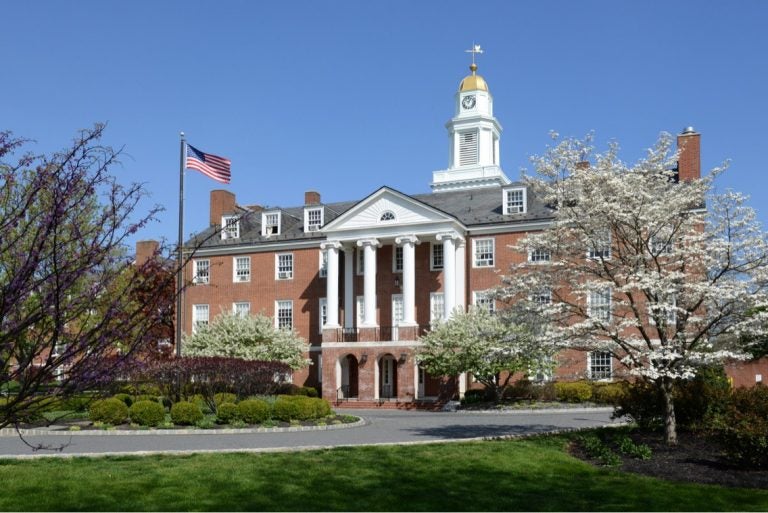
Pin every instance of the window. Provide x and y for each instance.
(398, 310)
(201, 271)
(514, 201)
(319, 368)
(284, 266)
(436, 306)
(387, 216)
(199, 316)
(484, 300)
(313, 219)
(665, 309)
(436, 257)
(468, 148)
(661, 244)
(538, 255)
(360, 307)
(600, 247)
(230, 227)
(599, 305)
(241, 309)
(270, 223)
(360, 256)
(483, 251)
(323, 313)
(599, 366)
(284, 314)
(542, 297)
(323, 264)
(397, 259)
(242, 269)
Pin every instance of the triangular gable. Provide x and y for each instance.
(367, 213)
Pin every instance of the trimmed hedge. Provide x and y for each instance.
(185, 413)
(298, 407)
(253, 411)
(608, 393)
(147, 413)
(227, 412)
(110, 411)
(573, 392)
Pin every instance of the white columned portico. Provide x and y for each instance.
(408, 243)
(349, 299)
(369, 281)
(449, 272)
(332, 283)
(461, 292)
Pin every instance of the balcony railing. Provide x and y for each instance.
(375, 334)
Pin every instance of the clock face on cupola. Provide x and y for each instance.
(468, 102)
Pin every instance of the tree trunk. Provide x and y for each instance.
(670, 425)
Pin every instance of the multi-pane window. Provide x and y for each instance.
(397, 259)
(483, 251)
(542, 297)
(241, 308)
(599, 305)
(539, 255)
(284, 266)
(514, 201)
(600, 247)
(270, 223)
(323, 313)
(360, 307)
(387, 216)
(242, 269)
(284, 314)
(468, 148)
(230, 227)
(313, 219)
(360, 261)
(323, 264)
(199, 316)
(661, 243)
(665, 309)
(485, 301)
(436, 306)
(600, 365)
(436, 260)
(201, 270)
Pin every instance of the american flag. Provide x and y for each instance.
(212, 166)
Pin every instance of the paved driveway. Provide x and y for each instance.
(381, 427)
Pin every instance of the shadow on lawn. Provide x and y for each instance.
(460, 431)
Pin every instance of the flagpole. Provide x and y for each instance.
(180, 253)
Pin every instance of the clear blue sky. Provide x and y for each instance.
(346, 96)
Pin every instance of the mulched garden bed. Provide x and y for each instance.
(698, 458)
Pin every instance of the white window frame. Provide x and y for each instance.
(323, 313)
(544, 292)
(266, 222)
(604, 250)
(198, 319)
(591, 364)
(483, 299)
(662, 245)
(244, 308)
(436, 307)
(359, 310)
(282, 270)
(243, 277)
(359, 261)
(395, 250)
(432, 247)
(197, 277)
(599, 302)
(671, 314)
(486, 262)
(539, 256)
(516, 209)
(313, 226)
(387, 217)
(230, 227)
(323, 264)
(283, 305)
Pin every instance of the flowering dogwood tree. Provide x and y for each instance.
(665, 276)
(249, 337)
(493, 347)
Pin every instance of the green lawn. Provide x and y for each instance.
(535, 474)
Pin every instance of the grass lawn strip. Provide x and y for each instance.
(532, 474)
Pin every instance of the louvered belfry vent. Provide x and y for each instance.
(468, 148)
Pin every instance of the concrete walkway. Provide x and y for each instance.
(380, 427)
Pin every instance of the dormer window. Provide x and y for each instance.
(515, 201)
(313, 219)
(230, 227)
(387, 216)
(270, 223)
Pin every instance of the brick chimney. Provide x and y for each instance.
(145, 250)
(222, 202)
(689, 160)
(311, 198)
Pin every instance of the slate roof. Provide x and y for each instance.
(472, 207)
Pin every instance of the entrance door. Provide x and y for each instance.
(398, 314)
(422, 378)
(388, 377)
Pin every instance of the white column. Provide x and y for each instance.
(409, 278)
(449, 272)
(461, 269)
(349, 298)
(332, 283)
(369, 280)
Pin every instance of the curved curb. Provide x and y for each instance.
(132, 432)
(548, 411)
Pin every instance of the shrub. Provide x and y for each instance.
(521, 389)
(700, 400)
(744, 431)
(627, 446)
(185, 413)
(308, 391)
(76, 403)
(608, 393)
(597, 450)
(643, 403)
(147, 413)
(227, 412)
(543, 392)
(109, 411)
(474, 396)
(144, 397)
(206, 422)
(574, 391)
(297, 407)
(253, 411)
(125, 398)
(224, 397)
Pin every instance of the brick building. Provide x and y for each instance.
(361, 280)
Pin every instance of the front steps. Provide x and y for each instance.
(388, 404)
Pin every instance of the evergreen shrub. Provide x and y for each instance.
(147, 413)
(109, 411)
(126, 398)
(226, 413)
(185, 413)
(253, 411)
(573, 391)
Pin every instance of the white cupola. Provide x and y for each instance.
(474, 139)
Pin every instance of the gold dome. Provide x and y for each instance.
(473, 82)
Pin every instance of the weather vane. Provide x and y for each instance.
(475, 49)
